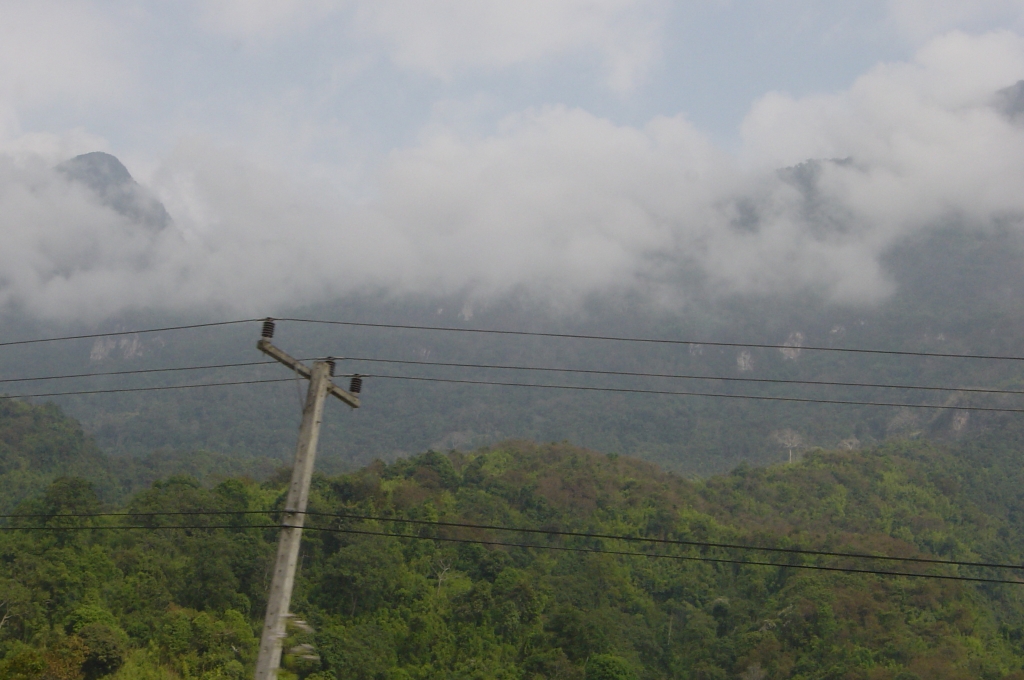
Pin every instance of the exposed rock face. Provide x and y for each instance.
(744, 362)
(113, 185)
(1011, 100)
(792, 345)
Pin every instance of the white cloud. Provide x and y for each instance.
(576, 203)
(556, 201)
(892, 107)
(559, 200)
(924, 135)
(63, 249)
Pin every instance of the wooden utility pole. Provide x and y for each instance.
(320, 386)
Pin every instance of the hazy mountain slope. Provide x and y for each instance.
(39, 444)
(684, 433)
(956, 289)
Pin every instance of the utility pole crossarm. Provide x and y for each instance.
(264, 345)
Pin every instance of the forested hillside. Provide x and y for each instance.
(82, 598)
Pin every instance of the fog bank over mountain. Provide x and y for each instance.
(556, 204)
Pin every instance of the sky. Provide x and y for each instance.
(559, 147)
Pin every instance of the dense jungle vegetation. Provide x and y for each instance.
(98, 602)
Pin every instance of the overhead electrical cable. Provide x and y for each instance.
(669, 541)
(134, 332)
(137, 371)
(577, 336)
(685, 558)
(661, 341)
(717, 395)
(619, 390)
(535, 546)
(143, 389)
(639, 374)
(548, 369)
(524, 530)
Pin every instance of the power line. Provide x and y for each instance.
(526, 530)
(669, 541)
(549, 369)
(143, 389)
(718, 395)
(137, 371)
(578, 336)
(534, 546)
(663, 341)
(638, 374)
(135, 332)
(686, 558)
(620, 390)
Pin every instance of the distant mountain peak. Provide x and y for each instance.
(107, 177)
(97, 170)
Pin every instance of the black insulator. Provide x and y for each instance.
(330, 365)
(355, 386)
(268, 329)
